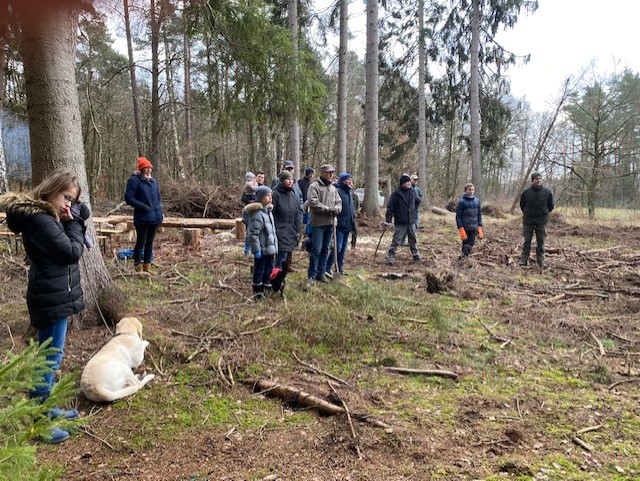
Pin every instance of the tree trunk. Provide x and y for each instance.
(155, 89)
(188, 115)
(48, 50)
(422, 108)
(294, 128)
(474, 99)
(134, 85)
(4, 181)
(172, 111)
(370, 207)
(342, 87)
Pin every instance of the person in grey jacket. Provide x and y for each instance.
(263, 239)
(324, 205)
(536, 203)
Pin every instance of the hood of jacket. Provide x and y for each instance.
(255, 207)
(21, 207)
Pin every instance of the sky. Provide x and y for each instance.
(564, 37)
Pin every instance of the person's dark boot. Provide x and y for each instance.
(267, 289)
(524, 261)
(258, 292)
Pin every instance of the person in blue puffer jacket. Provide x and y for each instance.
(143, 194)
(469, 219)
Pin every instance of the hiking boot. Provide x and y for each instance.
(312, 282)
(417, 258)
(56, 412)
(322, 278)
(543, 265)
(55, 436)
(328, 275)
(343, 272)
(258, 292)
(390, 261)
(523, 263)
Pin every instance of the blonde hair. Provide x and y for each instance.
(57, 182)
(468, 184)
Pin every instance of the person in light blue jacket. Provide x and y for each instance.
(143, 194)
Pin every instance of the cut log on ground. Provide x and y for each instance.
(295, 397)
(424, 372)
(439, 211)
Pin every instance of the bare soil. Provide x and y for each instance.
(527, 318)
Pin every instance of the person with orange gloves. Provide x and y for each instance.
(469, 219)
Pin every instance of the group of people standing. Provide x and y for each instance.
(275, 217)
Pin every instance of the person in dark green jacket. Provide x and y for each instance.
(536, 203)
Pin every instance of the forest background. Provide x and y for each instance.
(212, 89)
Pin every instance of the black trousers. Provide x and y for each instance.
(145, 235)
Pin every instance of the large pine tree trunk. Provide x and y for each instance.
(342, 86)
(4, 181)
(188, 116)
(294, 127)
(48, 49)
(155, 83)
(172, 111)
(422, 104)
(370, 207)
(474, 99)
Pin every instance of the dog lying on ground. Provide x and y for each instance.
(108, 375)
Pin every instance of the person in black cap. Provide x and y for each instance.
(346, 222)
(305, 182)
(536, 202)
(402, 207)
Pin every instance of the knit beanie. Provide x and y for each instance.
(344, 176)
(534, 175)
(261, 192)
(249, 176)
(143, 163)
(404, 178)
(309, 171)
(284, 175)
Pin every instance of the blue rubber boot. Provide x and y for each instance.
(57, 435)
(56, 412)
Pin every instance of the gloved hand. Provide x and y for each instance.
(80, 210)
(480, 233)
(386, 224)
(462, 233)
(257, 255)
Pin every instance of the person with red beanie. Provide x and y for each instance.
(143, 194)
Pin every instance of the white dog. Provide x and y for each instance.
(108, 375)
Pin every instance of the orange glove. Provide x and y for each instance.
(480, 233)
(462, 233)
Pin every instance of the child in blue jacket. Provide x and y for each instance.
(469, 219)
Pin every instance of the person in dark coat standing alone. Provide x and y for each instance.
(536, 203)
(143, 194)
(52, 223)
(402, 207)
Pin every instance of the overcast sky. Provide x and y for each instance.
(562, 36)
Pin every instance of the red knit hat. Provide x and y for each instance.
(143, 163)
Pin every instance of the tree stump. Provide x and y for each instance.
(191, 238)
(240, 229)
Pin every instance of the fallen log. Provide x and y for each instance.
(424, 372)
(439, 211)
(295, 397)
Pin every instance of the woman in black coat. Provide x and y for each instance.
(286, 214)
(51, 221)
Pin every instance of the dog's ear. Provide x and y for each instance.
(138, 325)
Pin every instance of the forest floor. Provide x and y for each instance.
(548, 363)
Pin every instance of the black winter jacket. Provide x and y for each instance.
(536, 204)
(402, 206)
(347, 216)
(286, 217)
(54, 249)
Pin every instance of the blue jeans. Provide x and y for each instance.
(57, 331)
(281, 257)
(342, 244)
(247, 243)
(262, 269)
(145, 235)
(320, 243)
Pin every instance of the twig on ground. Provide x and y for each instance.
(581, 443)
(597, 341)
(320, 371)
(623, 381)
(590, 428)
(84, 430)
(497, 338)
(346, 410)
